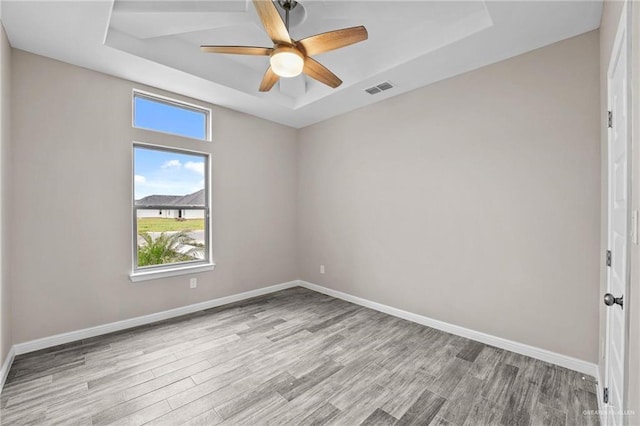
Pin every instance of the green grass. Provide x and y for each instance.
(153, 224)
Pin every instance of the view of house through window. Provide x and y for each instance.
(170, 208)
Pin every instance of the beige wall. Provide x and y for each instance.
(473, 201)
(5, 285)
(71, 237)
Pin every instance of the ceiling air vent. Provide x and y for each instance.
(379, 88)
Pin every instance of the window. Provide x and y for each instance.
(168, 116)
(170, 211)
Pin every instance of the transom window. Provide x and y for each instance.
(159, 114)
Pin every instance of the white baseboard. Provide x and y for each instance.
(520, 348)
(59, 339)
(6, 366)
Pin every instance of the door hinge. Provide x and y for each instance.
(605, 395)
(608, 257)
(610, 120)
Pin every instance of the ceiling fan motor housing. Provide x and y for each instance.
(287, 4)
(289, 57)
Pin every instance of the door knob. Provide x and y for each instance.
(609, 300)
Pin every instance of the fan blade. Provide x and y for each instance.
(316, 70)
(238, 50)
(272, 22)
(333, 40)
(270, 78)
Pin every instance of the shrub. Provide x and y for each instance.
(164, 248)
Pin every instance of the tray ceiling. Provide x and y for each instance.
(411, 44)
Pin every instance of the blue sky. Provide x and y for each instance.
(167, 173)
(164, 172)
(151, 114)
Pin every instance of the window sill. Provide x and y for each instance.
(170, 272)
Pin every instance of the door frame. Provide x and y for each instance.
(624, 25)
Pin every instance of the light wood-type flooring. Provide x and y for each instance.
(294, 357)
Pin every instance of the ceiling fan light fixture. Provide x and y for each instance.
(287, 62)
(289, 57)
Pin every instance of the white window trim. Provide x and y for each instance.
(170, 272)
(176, 269)
(176, 102)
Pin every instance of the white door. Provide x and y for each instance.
(617, 274)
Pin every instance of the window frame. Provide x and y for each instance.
(172, 102)
(179, 268)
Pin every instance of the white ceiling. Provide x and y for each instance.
(411, 44)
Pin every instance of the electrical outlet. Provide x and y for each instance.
(193, 283)
(322, 269)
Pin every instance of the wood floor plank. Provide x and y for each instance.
(257, 413)
(293, 357)
(257, 394)
(205, 347)
(11, 389)
(459, 403)
(554, 387)
(296, 387)
(498, 386)
(307, 363)
(379, 418)
(449, 377)
(486, 362)
(544, 415)
(136, 404)
(208, 418)
(484, 412)
(162, 381)
(51, 397)
(583, 381)
(294, 412)
(145, 415)
(470, 351)
(423, 410)
(223, 367)
(37, 415)
(322, 415)
(439, 357)
(35, 372)
(439, 421)
(405, 388)
(238, 380)
(89, 404)
(362, 407)
(189, 411)
(578, 407)
(130, 372)
(333, 320)
(352, 389)
(44, 393)
(520, 403)
(193, 359)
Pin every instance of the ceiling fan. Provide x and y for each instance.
(288, 57)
